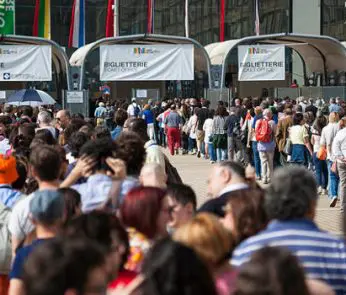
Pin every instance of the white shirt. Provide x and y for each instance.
(208, 129)
(233, 187)
(327, 136)
(20, 224)
(339, 144)
(131, 109)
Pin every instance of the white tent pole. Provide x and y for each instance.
(116, 18)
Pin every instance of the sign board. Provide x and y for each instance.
(7, 17)
(141, 93)
(25, 63)
(261, 63)
(74, 97)
(146, 62)
(2, 94)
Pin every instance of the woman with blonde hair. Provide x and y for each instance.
(213, 244)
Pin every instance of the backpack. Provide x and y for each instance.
(137, 111)
(5, 240)
(263, 131)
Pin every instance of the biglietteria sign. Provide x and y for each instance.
(261, 63)
(146, 62)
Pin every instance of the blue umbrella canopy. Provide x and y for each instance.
(31, 97)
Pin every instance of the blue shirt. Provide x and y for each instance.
(100, 112)
(95, 191)
(322, 255)
(334, 108)
(21, 257)
(116, 132)
(8, 196)
(255, 120)
(148, 116)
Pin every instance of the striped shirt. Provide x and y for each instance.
(322, 255)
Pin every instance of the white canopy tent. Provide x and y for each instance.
(321, 54)
(201, 58)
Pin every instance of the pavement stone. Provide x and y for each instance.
(194, 172)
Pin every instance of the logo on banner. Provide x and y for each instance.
(7, 76)
(8, 51)
(144, 51)
(256, 50)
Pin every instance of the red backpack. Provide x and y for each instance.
(263, 131)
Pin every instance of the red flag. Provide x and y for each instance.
(110, 19)
(222, 20)
(150, 17)
(70, 38)
(37, 11)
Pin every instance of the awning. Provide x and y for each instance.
(321, 54)
(201, 59)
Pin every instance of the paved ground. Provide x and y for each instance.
(195, 171)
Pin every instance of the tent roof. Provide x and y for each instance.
(320, 53)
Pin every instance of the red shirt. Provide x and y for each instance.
(124, 277)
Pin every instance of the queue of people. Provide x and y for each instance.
(264, 133)
(87, 209)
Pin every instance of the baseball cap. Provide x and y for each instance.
(47, 206)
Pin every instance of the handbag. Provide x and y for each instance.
(322, 153)
(288, 147)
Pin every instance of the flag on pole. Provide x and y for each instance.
(222, 20)
(187, 31)
(110, 19)
(41, 26)
(150, 18)
(77, 27)
(7, 13)
(257, 19)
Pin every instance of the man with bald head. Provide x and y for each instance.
(224, 178)
(63, 118)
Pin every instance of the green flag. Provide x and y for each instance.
(7, 14)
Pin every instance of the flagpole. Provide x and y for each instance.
(116, 18)
(257, 21)
(187, 19)
(222, 21)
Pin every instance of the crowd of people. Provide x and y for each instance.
(95, 206)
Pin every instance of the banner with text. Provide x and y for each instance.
(7, 17)
(261, 63)
(146, 62)
(25, 63)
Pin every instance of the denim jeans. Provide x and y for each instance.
(212, 153)
(162, 137)
(321, 171)
(333, 181)
(221, 154)
(256, 158)
(192, 144)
